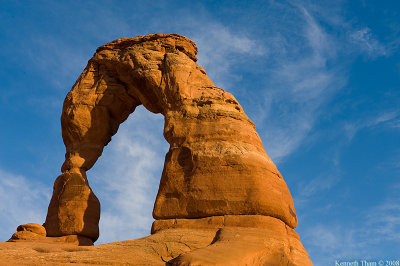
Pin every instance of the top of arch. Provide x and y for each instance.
(173, 40)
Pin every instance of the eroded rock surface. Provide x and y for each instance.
(179, 246)
(217, 175)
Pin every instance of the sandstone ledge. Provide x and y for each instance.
(180, 246)
(216, 222)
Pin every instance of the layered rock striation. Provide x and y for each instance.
(216, 176)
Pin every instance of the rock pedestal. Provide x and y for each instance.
(216, 175)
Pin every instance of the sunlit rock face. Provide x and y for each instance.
(217, 175)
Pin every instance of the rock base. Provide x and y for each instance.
(241, 240)
(179, 246)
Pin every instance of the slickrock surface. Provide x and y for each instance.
(218, 183)
(226, 246)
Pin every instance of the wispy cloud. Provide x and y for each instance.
(327, 241)
(383, 220)
(220, 48)
(325, 244)
(367, 43)
(389, 118)
(299, 84)
(21, 201)
(316, 186)
(395, 123)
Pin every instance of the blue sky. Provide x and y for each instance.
(320, 79)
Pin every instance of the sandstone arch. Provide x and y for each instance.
(216, 172)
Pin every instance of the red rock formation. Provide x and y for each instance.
(216, 172)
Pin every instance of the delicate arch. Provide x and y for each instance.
(216, 164)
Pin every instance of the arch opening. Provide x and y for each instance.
(127, 175)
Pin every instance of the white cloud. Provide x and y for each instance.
(325, 244)
(318, 39)
(21, 201)
(355, 39)
(384, 219)
(367, 43)
(338, 239)
(300, 83)
(351, 128)
(318, 184)
(395, 123)
(219, 49)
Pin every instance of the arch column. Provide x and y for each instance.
(93, 110)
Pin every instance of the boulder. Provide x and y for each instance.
(32, 227)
